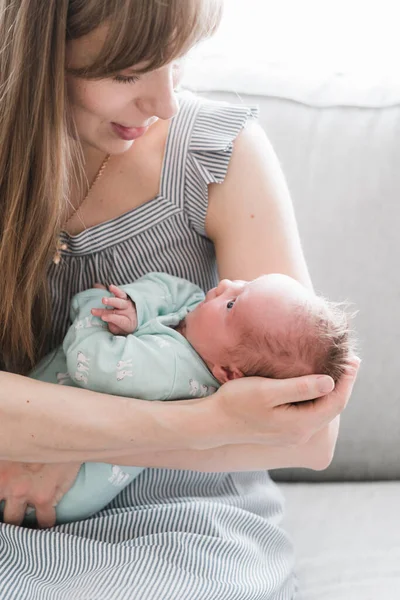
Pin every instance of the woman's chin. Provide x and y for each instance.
(107, 145)
(116, 146)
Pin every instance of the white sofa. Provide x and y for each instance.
(338, 140)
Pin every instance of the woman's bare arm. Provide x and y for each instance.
(315, 452)
(245, 457)
(55, 423)
(250, 216)
(251, 221)
(227, 434)
(49, 423)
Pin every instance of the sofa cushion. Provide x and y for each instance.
(346, 538)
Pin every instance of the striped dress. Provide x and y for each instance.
(170, 535)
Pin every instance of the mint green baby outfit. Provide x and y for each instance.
(154, 363)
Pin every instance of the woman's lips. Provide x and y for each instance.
(128, 133)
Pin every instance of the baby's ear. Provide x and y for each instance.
(224, 374)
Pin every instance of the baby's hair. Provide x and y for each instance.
(318, 340)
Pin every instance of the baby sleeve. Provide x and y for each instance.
(159, 294)
(136, 367)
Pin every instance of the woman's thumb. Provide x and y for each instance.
(301, 389)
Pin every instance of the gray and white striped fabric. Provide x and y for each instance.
(170, 535)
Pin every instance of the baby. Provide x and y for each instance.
(161, 338)
(270, 327)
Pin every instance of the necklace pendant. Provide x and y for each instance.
(60, 246)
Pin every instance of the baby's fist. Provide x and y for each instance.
(121, 316)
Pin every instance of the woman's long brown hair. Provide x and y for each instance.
(38, 154)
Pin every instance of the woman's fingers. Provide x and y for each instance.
(27, 486)
(16, 508)
(300, 389)
(45, 515)
(339, 398)
(14, 511)
(311, 387)
(280, 412)
(353, 365)
(312, 416)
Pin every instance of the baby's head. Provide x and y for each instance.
(271, 327)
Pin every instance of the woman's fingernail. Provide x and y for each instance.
(325, 384)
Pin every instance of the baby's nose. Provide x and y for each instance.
(223, 285)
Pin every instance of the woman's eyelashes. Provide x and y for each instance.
(230, 304)
(126, 79)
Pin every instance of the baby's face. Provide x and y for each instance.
(232, 308)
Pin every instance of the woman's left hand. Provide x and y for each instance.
(39, 485)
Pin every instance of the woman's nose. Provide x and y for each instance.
(159, 97)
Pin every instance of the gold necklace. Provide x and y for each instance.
(62, 245)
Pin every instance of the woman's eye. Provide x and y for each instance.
(230, 304)
(127, 79)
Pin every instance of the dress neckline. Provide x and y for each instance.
(139, 218)
(70, 238)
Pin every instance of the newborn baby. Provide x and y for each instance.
(161, 338)
(270, 327)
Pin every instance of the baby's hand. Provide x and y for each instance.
(122, 317)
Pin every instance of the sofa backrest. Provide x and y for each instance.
(339, 147)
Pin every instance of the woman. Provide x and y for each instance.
(106, 174)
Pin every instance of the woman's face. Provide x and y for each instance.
(111, 113)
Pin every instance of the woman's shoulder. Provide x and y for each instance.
(202, 139)
(210, 128)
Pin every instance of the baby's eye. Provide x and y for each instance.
(230, 304)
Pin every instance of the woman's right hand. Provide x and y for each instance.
(257, 424)
(273, 412)
(34, 484)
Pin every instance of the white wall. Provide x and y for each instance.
(311, 35)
